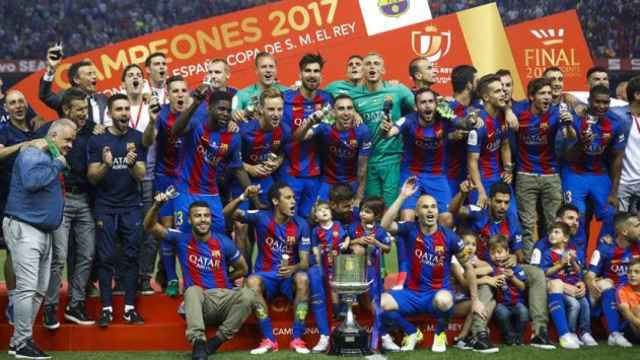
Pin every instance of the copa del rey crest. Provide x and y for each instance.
(431, 43)
(393, 7)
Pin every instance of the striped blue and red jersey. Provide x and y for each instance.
(457, 149)
(608, 135)
(567, 274)
(487, 141)
(611, 261)
(167, 145)
(509, 294)
(302, 157)
(327, 241)
(275, 239)
(486, 226)
(429, 256)
(341, 150)
(374, 254)
(535, 141)
(258, 143)
(204, 263)
(204, 151)
(424, 147)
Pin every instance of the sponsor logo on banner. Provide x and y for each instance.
(430, 43)
(393, 7)
(385, 15)
(554, 40)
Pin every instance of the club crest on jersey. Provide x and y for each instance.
(393, 7)
(335, 234)
(215, 254)
(291, 240)
(353, 142)
(544, 125)
(439, 249)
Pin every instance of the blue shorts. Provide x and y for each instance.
(160, 184)
(181, 211)
(265, 183)
(305, 190)
(577, 187)
(325, 188)
(412, 302)
(275, 285)
(434, 185)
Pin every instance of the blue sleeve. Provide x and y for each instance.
(383, 236)
(619, 140)
(173, 236)
(455, 242)
(305, 241)
(364, 138)
(252, 216)
(515, 241)
(404, 228)
(141, 151)
(519, 273)
(229, 249)
(320, 129)
(598, 258)
(475, 139)
(235, 153)
(94, 150)
(36, 169)
(314, 237)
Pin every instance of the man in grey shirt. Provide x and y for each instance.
(34, 210)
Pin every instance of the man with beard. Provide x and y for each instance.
(429, 250)
(209, 298)
(77, 219)
(608, 271)
(34, 210)
(383, 167)
(165, 174)
(593, 162)
(156, 68)
(301, 168)
(488, 152)
(267, 74)
(83, 75)
(206, 146)
(282, 262)
(558, 96)
(570, 215)
(15, 135)
(354, 77)
(424, 134)
(423, 73)
(346, 146)
(116, 169)
(537, 164)
(263, 142)
(463, 81)
(496, 219)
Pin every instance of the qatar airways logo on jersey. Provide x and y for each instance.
(428, 258)
(428, 143)
(373, 117)
(205, 263)
(595, 149)
(493, 145)
(534, 139)
(619, 267)
(340, 152)
(278, 245)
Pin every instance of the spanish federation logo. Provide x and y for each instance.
(393, 7)
(549, 36)
(430, 43)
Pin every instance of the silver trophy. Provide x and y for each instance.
(349, 281)
(171, 192)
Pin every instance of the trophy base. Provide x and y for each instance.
(349, 341)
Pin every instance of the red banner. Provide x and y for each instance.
(288, 29)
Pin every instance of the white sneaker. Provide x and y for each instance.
(588, 340)
(577, 339)
(617, 339)
(322, 345)
(409, 342)
(568, 342)
(265, 346)
(388, 344)
(439, 343)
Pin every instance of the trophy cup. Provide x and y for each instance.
(350, 280)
